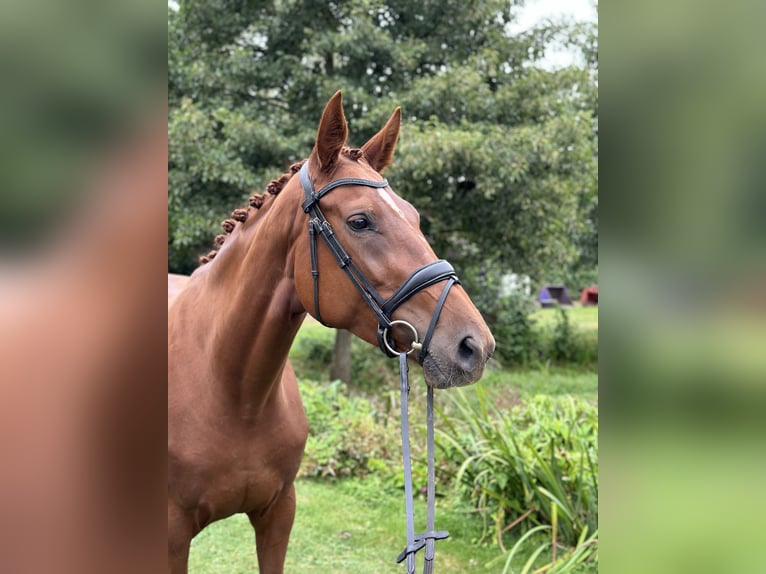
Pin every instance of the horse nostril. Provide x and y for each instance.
(467, 352)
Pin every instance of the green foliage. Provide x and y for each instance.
(77, 79)
(498, 154)
(492, 437)
(512, 386)
(518, 342)
(346, 437)
(521, 341)
(311, 353)
(506, 194)
(521, 338)
(517, 466)
(581, 558)
(344, 527)
(370, 369)
(566, 345)
(509, 316)
(562, 344)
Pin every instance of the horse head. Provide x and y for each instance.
(380, 233)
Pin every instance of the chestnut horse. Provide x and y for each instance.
(236, 425)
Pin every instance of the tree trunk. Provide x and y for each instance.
(341, 357)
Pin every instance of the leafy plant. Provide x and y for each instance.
(572, 560)
(567, 345)
(311, 354)
(345, 436)
(525, 467)
(497, 153)
(563, 347)
(514, 328)
(370, 369)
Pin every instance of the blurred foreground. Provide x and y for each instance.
(83, 174)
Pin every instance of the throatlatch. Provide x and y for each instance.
(422, 278)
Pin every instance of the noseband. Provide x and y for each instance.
(421, 278)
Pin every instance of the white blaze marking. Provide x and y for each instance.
(390, 201)
(388, 198)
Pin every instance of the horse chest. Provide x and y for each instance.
(240, 466)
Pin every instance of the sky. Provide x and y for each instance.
(535, 11)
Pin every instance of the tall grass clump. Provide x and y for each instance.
(530, 470)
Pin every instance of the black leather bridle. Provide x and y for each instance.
(423, 277)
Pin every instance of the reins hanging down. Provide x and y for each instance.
(428, 538)
(423, 277)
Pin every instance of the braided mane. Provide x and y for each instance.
(257, 201)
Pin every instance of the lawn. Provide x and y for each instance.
(585, 318)
(515, 385)
(342, 527)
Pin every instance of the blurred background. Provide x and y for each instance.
(682, 255)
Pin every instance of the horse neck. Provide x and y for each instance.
(246, 312)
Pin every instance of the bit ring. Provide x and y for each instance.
(415, 345)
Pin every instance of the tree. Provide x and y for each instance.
(340, 368)
(497, 153)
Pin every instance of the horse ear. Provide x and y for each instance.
(379, 151)
(332, 133)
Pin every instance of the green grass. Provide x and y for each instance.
(584, 318)
(517, 385)
(343, 527)
(348, 527)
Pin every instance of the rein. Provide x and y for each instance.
(423, 277)
(428, 538)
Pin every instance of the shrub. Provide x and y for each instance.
(312, 353)
(522, 342)
(518, 343)
(346, 435)
(517, 466)
(371, 370)
(566, 345)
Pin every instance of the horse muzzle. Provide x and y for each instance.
(444, 368)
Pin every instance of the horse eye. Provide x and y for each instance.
(358, 223)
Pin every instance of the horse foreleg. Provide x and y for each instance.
(180, 533)
(272, 532)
